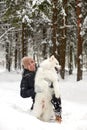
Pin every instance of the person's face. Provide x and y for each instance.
(31, 65)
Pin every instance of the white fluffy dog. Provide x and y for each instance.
(45, 76)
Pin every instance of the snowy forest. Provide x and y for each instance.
(41, 28)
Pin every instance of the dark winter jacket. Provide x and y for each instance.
(27, 84)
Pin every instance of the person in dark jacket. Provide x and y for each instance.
(27, 82)
(27, 86)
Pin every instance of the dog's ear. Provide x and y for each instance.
(52, 58)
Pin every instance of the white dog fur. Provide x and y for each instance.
(46, 74)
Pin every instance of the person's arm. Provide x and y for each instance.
(27, 93)
(25, 89)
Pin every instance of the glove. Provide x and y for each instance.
(56, 103)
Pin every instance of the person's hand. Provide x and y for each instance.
(58, 119)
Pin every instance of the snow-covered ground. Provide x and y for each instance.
(15, 113)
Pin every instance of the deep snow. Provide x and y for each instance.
(15, 111)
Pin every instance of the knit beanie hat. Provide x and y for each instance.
(25, 61)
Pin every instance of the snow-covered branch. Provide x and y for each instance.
(6, 32)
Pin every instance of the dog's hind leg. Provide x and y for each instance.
(48, 112)
(37, 109)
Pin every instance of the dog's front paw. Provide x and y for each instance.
(58, 119)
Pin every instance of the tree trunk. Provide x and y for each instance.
(54, 27)
(79, 44)
(62, 47)
(15, 58)
(16, 48)
(8, 56)
(24, 42)
(70, 59)
(44, 51)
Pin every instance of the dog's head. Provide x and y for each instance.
(54, 62)
(51, 62)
